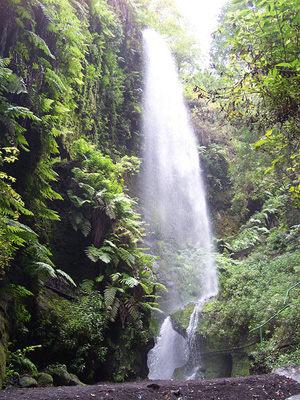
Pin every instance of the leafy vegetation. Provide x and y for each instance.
(70, 110)
(70, 87)
(254, 56)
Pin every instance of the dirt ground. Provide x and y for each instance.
(259, 387)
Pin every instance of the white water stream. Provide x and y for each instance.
(173, 197)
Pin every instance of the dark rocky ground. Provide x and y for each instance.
(257, 387)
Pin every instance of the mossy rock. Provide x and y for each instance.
(3, 348)
(74, 381)
(61, 377)
(27, 382)
(181, 318)
(44, 379)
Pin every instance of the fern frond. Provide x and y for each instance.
(40, 43)
(109, 295)
(23, 230)
(46, 104)
(85, 227)
(95, 254)
(18, 111)
(66, 276)
(114, 309)
(99, 278)
(76, 200)
(15, 85)
(44, 269)
(126, 256)
(129, 281)
(114, 277)
(4, 62)
(87, 189)
(133, 311)
(153, 307)
(87, 285)
(54, 80)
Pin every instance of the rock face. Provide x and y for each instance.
(216, 360)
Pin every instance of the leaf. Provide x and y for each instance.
(39, 42)
(284, 64)
(109, 295)
(129, 281)
(44, 269)
(66, 276)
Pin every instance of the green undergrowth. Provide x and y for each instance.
(262, 288)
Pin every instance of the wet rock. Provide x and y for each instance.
(290, 371)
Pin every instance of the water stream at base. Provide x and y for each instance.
(173, 198)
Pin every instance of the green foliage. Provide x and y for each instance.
(72, 70)
(262, 80)
(98, 197)
(18, 363)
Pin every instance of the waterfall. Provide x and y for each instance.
(174, 201)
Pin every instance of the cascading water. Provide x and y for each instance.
(173, 198)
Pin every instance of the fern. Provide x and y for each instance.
(54, 80)
(44, 270)
(112, 303)
(133, 311)
(87, 286)
(40, 43)
(109, 295)
(76, 200)
(126, 256)
(95, 254)
(129, 281)
(15, 85)
(114, 309)
(66, 276)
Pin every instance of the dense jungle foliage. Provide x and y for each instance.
(252, 174)
(77, 285)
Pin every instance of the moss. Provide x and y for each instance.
(181, 318)
(3, 348)
(240, 364)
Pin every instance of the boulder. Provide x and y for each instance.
(44, 379)
(61, 377)
(74, 381)
(290, 371)
(27, 382)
